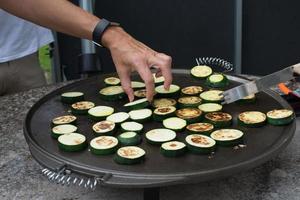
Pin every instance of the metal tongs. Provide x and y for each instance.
(253, 87)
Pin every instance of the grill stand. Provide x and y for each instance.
(151, 193)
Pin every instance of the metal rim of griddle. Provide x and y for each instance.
(141, 180)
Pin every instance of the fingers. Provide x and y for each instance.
(126, 84)
(147, 77)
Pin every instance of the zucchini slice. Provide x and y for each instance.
(140, 93)
(210, 107)
(118, 117)
(200, 128)
(161, 113)
(141, 115)
(219, 119)
(129, 139)
(227, 137)
(71, 97)
(248, 99)
(62, 129)
(200, 144)
(189, 101)
(104, 128)
(72, 142)
(280, 117)
(131, 127)
(82, 107)
(159, 136)
(191, 115)
(112, 93)
(252, 119)
(112, 81)
(158, 80)
(129, 155)
(138, 104)
(163, 102)
(104, 145)
(174, 91)
(65, 119)
(191, 90)
(175, 123)
(212, 96)
(99, 113)
(173, 149)
(137, 85)
(217, 80)
(201, 71)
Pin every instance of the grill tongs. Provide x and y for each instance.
(255, 86)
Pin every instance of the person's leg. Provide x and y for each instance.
(4, 71)
(26, 73)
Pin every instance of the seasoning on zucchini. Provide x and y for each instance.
(161, 113)
(227, 137)
(200, 144)
(112, 81)
(104, 128)
(112, 93)
(172, 92)
(72, 142)
(200, 128)
(65, 119)
(210, 107)
(159, 136)
(104, 145)
(99, 113)
(212, 96)
(82, 107)
(71, 97)
(191, 90)
(62, 129)
(118, 117)
(140, 93)
(280, 117)
(129, 155)
(174, 123)
(252, 119)
(201, 71)
(217, 80)
(131, 127)
(129, 139)
(189, 101)
(141, 115)
(163, 102)
(191, 115)
(138, 104)
(137, 85)
(158, 80)
(248, 99)
(219, 119)
(173, 149)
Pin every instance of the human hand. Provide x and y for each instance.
(131, 55)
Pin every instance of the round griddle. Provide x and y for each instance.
(262, 143)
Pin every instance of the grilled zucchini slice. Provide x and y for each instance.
(129, 155)
(174, 91)
(191, 90)
(131, 127)
(62, 129)
(210, 107)
(65, 119)
(112, 81)
(227, 137)
(104, 128)
(140, 93)
(137, 85)
(104, 145)
(141, 115)
(200, 144)
(252, 119)
(158, 80)
(72, 142)
(189, 101)
(200, 128)
(212, 96)
(99, 113)
(118, 117)
(81, 107)
(191, 115)
(163, 102)
(138, 104)
(161, 113)
(159, 136)
(219, 119)
(247, 100)
(129, 139)
(173, 149)
(175, 123)
(72, 97)
(217, 80)
(280, 117)
(112, 93)
(201, 71)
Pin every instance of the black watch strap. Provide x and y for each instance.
(100, 28)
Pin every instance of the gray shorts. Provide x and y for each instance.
(21, 74)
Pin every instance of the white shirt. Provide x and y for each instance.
(19, 38)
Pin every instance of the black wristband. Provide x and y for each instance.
(102, 25)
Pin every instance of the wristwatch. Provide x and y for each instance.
(100, 28)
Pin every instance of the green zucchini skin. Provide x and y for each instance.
(72, 148)
(112, 97)
(104, 151)
(133, 141)
(173, 153)
(79, 112)
(280, 122)
(127, 161)
(202, 132)
(223, 83)
(71, 100)
(137, 106)
(221, 123)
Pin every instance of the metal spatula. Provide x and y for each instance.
(253, 87)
